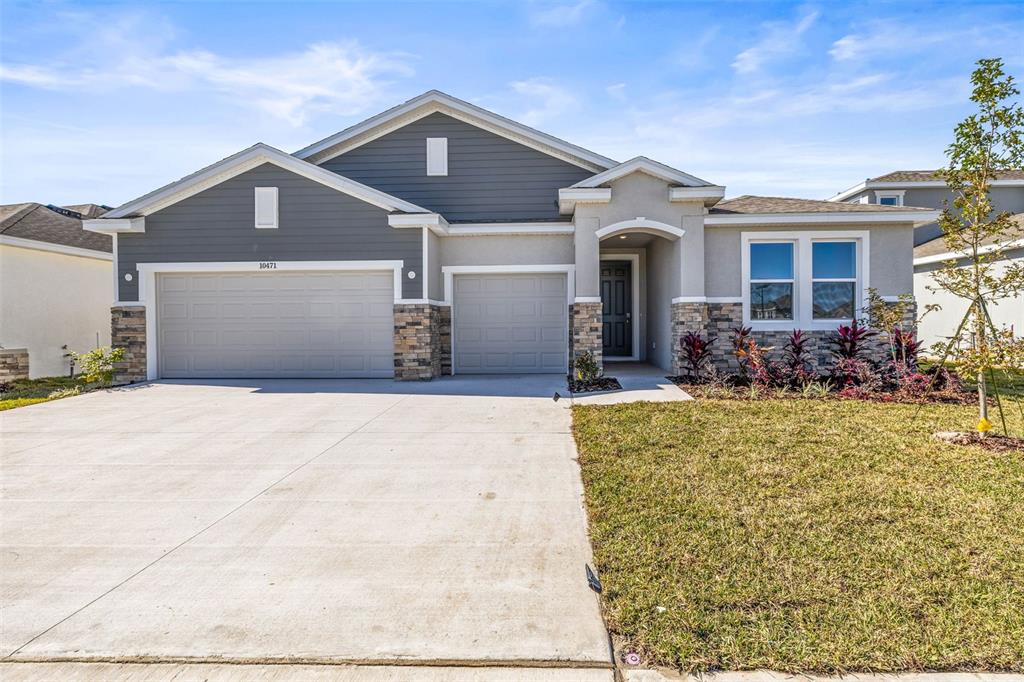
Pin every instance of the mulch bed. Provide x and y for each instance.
(993, 441)
(594, 385)
(719, 390)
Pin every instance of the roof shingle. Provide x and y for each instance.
(42, 224)
(927, 175)
(753, 204)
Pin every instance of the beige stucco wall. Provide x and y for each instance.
(435, 285)
(937, 326)
(634, 196)
(891, 257)
(48, 300)
(507, 250)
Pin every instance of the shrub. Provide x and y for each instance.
(98, 364)
(848, 341)
(585, 367)
(741, 342)
(696, 352)
(856, 372)
(796, 353)
(905, 346)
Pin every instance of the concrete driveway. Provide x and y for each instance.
(314, 521)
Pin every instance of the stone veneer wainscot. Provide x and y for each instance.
(128, 331)
(13, 364)
(418, 341)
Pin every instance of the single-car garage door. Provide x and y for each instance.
(283, 324)
(510, 323)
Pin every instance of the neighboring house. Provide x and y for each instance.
(922, 188)
(439, 237)
(55, 281)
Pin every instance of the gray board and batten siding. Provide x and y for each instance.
(316, 223)
(490, 178)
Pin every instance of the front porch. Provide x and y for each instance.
(640, 275)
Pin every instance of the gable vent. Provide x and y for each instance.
(266, 207)
(437, 156)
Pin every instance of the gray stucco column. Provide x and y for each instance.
(588, 258)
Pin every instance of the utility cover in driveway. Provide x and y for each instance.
(286, 324)
(510, 323)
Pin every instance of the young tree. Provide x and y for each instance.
(986, 142)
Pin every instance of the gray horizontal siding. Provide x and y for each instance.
(489, 177)
(315, 223)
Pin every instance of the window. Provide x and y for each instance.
(771, 281)
(803, 279)
(437, 156)
(889, 198)
(266, 207)
(834, 280)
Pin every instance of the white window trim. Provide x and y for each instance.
(272, 191)
(437, 156)
(890, 194)
(634, 259)
(803, 317)
(149, 271)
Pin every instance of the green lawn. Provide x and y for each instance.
(31, 391)
(804, 535)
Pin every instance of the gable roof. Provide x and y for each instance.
(901, 179)
(644, 165)
(41, 223)
(247, 159)
(434, 101)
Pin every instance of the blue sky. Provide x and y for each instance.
(104, 102)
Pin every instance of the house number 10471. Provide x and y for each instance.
(268, 266)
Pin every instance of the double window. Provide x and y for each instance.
(802, 280)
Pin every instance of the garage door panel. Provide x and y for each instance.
(510, 323)
(292, 324)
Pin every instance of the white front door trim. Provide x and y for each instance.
(149, 271)
(634, 259)
(641, 224)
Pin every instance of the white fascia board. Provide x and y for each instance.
(484, 229)
(916, 184)
(63, 249)
(940, 257)
(115, 225)
(710, 195)
(568, 197)
(439, 102)
(643, 165)
(248, 159)
(434, 222)
(915, 217)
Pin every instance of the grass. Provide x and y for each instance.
(31, 391)
(805, 536)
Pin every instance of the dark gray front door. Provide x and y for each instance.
(617, 307)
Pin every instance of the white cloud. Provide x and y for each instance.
(616, 91)
(337, 77)
(779, 39)
(901, 39)
(547, 100)
(559, 15)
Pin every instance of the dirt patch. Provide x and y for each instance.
(992, 441)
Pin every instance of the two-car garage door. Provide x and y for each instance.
(283, 324)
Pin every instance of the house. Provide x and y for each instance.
(438, 237)
(922, 188)
(55, 281)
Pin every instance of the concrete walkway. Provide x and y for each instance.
(640, 382)
(305, 521)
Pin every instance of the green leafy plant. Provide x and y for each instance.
(585, 367)
(985, 143)
(97, 365)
